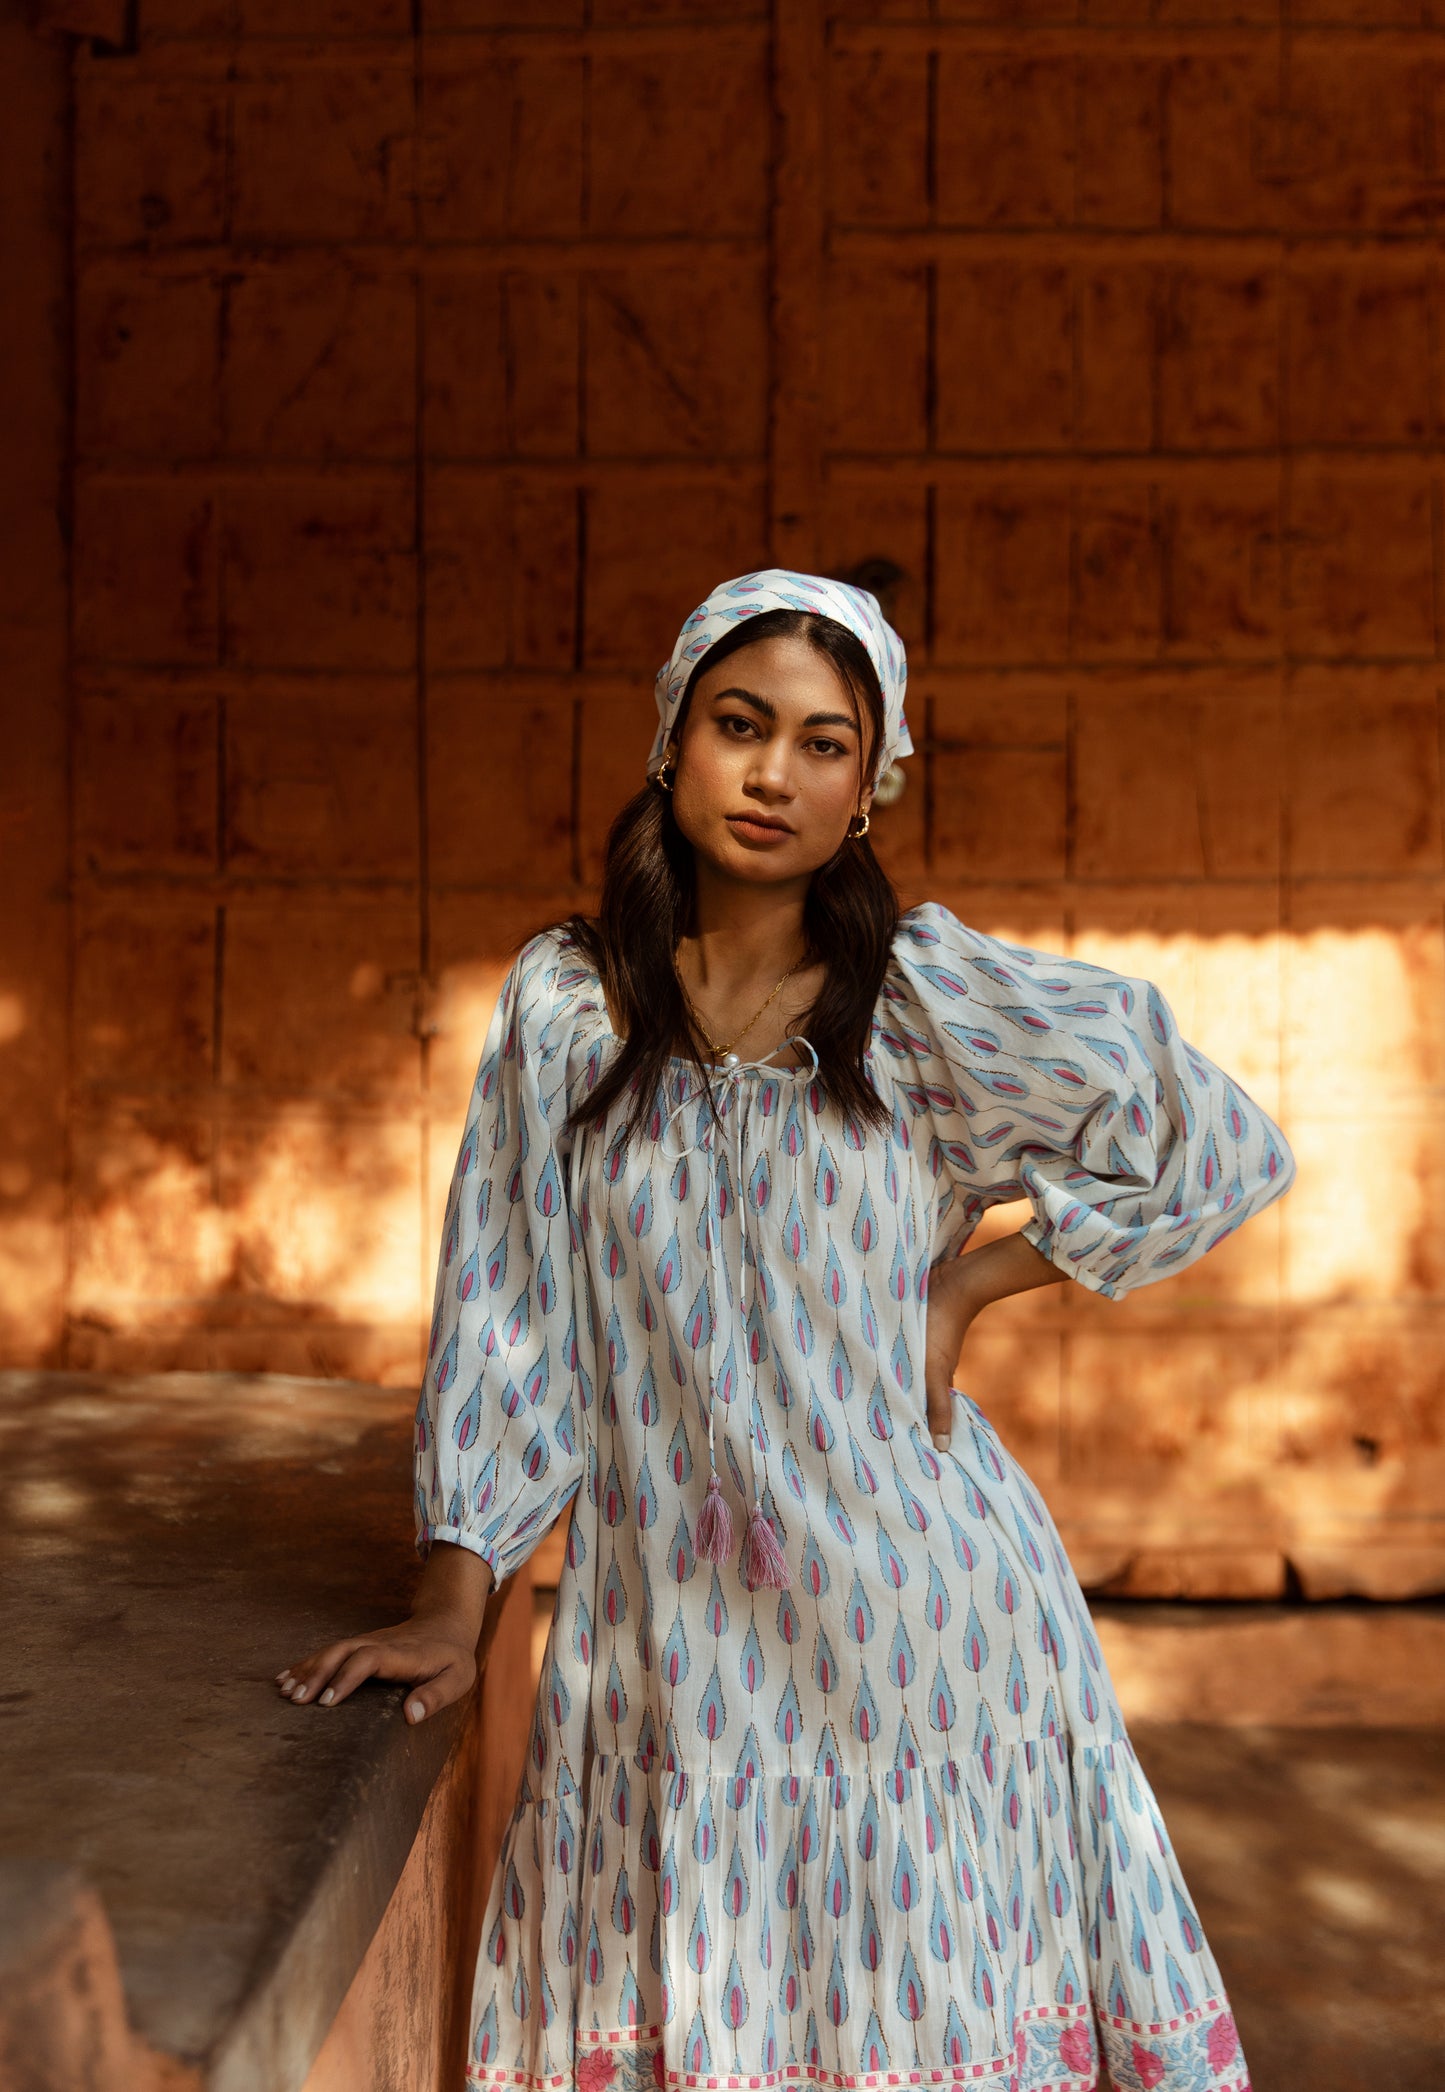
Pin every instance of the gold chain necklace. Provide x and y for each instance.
(721, 1053)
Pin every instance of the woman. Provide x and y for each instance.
(827, 1777)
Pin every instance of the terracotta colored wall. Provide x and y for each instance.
(422, 379)
(34, 917)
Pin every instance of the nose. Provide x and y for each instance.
(771, 770)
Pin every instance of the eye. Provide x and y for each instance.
(834, 747)
(728, 719)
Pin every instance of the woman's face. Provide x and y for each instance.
(769, 768)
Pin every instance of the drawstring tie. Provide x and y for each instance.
(761, 1562)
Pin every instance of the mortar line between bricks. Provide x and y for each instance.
(1081, 245)
(619, 680)
(218, 996)
(248, 472)
(1061, 240)
(584, 198)
(69, 1084)
(359, 889)
(1033, 40)
(574, 838)
(1137, 466)
(223, 785)
(797, 243)
(1285, 510)
(265, 51)
(622, 680)
(259, 252)
(1423, 889)
(930, 360)
(917, 468)
(422, 1018)
(1437, 508)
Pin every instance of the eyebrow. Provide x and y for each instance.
(769, 710)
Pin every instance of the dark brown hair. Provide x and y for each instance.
(850, 914)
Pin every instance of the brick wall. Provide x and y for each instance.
(424, 377)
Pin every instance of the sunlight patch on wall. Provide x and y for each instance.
(300, 1214)
(1337, 1033)
(326, 1212)
(12, 1016)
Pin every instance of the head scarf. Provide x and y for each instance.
(776, 588)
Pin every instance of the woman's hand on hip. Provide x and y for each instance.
(957, 1288)
(951, 1306)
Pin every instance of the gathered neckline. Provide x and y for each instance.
(681, 1060)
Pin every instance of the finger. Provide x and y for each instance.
(297, 1673)
(940, 1414)
(450, 1684)
(308, 1678)
(363, 1663)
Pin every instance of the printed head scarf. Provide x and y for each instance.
(775, 588)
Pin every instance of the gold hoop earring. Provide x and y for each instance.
(662, 776)
(855, 834)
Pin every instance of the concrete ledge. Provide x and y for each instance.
(359, 1852)
(166, 1543)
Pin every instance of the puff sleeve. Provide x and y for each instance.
(498, 1451)
(1055, 1080)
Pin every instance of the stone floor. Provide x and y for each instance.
(1317, 1859)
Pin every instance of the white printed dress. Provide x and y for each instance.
(883, 1826)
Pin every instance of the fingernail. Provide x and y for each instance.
(940, 1440)
(327, 1697)
(299, 1693)
(415, 1711)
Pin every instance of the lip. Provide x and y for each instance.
(757, 828)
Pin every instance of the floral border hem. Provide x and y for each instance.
(1058, 2049)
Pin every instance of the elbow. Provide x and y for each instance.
(1277, 1168)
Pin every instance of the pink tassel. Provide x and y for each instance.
(764, 1565)
(713, 1533)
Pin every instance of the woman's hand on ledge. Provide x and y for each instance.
(432, 1654)
(435, 1650)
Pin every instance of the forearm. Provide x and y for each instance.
(998, 1269)
(455, 1584)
